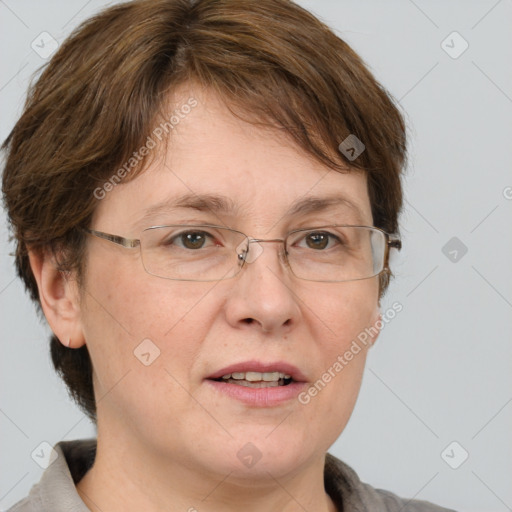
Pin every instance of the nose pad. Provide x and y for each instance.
(249, 252)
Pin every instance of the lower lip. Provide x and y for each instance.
(259, 397)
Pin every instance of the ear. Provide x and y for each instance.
(59, 296)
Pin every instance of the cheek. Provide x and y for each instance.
(137, 323)
(133, 303)
(341, 326)
(144, 335)
(339, 318)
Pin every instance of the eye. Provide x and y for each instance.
(191, 240)
(319, 240)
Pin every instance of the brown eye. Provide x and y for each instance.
(190, 240)
(318, 240)
(193, 240)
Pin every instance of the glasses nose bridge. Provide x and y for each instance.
(266, 240)
(282, 252)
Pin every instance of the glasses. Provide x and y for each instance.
(206, 252)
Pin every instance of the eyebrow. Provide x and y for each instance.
(318, 204)
(218, 204)
(200, 202)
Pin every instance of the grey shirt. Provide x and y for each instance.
(56, 491)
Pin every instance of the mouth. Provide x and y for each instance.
(259, 384)
(254, 379)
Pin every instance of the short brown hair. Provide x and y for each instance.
(100, 95)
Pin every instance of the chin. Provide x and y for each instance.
(261, 451)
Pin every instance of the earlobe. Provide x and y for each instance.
(59, 298)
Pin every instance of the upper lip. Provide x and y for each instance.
(259, 366)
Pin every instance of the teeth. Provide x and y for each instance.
(249, 384)
(267, 377)
(257, 376)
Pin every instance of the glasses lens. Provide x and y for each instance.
(192, 253)
(336, 253)
(212, 253)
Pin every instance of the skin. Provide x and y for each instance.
(166, 440)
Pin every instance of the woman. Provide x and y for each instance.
(204, 197)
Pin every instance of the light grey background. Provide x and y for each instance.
(440, 371)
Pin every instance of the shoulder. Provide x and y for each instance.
(56, 489)
(25, 505)
(351, 495)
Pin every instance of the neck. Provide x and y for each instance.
(138, 479)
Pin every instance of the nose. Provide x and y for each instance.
(262, 296)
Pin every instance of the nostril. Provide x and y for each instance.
(248, 321)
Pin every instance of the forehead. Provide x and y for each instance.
(214, 161)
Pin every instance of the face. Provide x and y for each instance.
(263, 319)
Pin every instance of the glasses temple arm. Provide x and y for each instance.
(125, 242)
